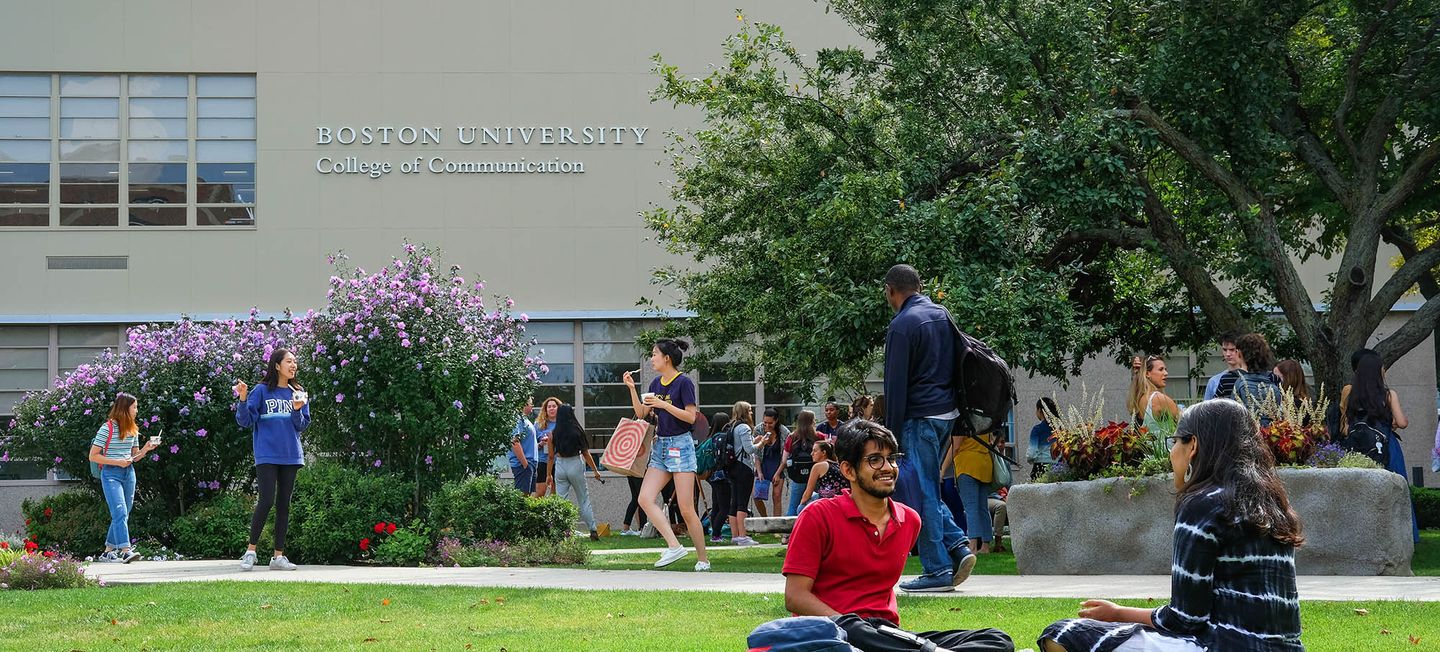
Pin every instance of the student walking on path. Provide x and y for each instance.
(920, 405)
(671, 398)
(276, 412)
(568, 454)
(115, 450)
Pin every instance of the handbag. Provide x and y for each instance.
(95, 468)
(1001, 476)
(628, 451)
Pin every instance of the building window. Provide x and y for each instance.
(555, 344)
(31, 357)
(169, 150)
(608, 350)
(723, 382)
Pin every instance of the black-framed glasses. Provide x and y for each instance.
(1178, 438)
(877, 461)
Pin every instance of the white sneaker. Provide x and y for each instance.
(247, 560)
(744, 542)
(671, 556)
(701, 566)
(630, 533)
(108, 557)
(127, 556)
(281, 563)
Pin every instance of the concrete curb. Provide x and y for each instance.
(1124, 587)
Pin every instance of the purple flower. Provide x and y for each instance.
(377, 464)
(405, 343)
(201, 432)
(429, 461)
(59, 459)
(154, 457)
(174, 448)
(419, 366)
(214, 484)
(184, 411)
(467, 437)
(458, 405)
(339, 398)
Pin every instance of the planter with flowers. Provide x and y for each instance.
(1108, 507)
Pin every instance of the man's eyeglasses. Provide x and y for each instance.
(878, 461)
(1175, 439)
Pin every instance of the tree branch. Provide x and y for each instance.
(1352, 82)
(1420, 326)
(1410, 181)
(1123, 238)
(1372, 143)
(1417, 265)
(1187, 263)
(1240, 195)
(1295, 123)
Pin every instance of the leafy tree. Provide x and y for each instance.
(420, 379)
(1072, 177)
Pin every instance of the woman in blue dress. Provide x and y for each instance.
(1370, 401)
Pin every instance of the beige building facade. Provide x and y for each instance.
(171, 157)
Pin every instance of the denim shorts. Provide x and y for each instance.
(681, 461)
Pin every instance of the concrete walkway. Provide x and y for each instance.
(1125, 587)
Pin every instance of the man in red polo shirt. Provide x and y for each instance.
(846, 553)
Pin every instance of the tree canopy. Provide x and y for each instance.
(1070, 178)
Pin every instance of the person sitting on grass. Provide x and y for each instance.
(847, 552)
(1232, 584)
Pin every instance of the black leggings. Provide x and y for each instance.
(277, 482)
(719, 506)
(634, 506)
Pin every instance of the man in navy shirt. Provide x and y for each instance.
(920, 405)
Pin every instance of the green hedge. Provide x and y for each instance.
(74, 521)
(1427, 506)
(334, 507)
(483, 509)
(215, 529)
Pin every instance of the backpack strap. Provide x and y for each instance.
(105, 452)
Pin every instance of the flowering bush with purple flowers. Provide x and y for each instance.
(421, 378)
(47, 570)
(181, 375)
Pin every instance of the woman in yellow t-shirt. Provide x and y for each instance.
(973, 473)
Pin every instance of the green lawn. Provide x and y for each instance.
(269, 616)
(1427, 554)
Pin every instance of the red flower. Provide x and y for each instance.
(365, 543)
(4, 545)
(31, 546)
(49, 512)
(49, 553)
(389, 528)
(380, 528)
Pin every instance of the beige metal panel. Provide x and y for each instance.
(290, 39)
(83, 35)
(227, 36)
(29, 42)
(158, 35)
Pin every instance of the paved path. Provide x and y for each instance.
(1127, 587)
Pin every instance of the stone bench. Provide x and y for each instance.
(770, 524)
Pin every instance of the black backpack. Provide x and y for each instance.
(1363, 437)
(797, 466)
(984, 385)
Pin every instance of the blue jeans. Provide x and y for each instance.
(524, 477)
(797, 494)
(924, 441)
(119, 487)
(976, 500)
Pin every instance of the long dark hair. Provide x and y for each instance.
(1232, 457)
(272, 370)
(718, 421)
(568, 434)
(1294, 376)
(1368, 391)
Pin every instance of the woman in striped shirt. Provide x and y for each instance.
(1233, 575)
(115, 449)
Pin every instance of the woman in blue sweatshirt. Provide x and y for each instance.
(277, 411)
